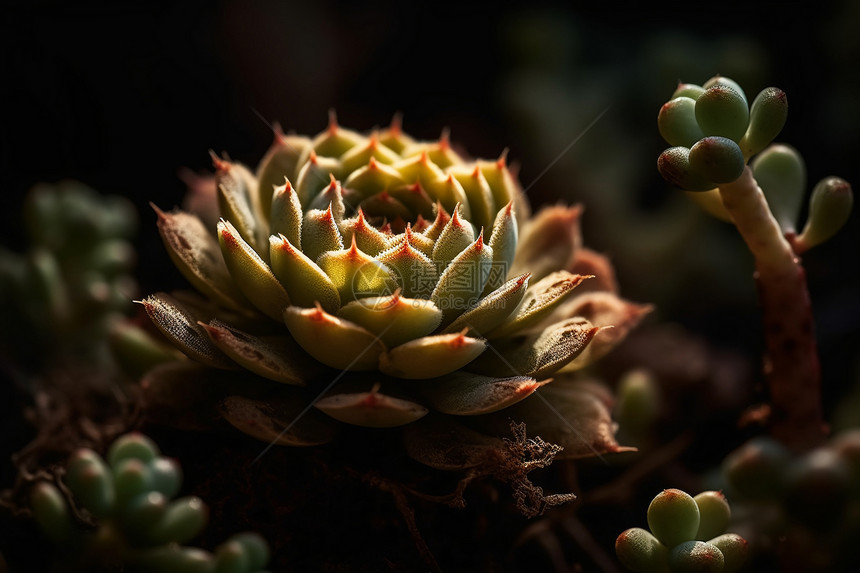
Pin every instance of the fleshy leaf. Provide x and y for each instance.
(237, 202)
(768, 114)
(449, 193)
(304, 281)
(360, 155)
(314, 176)
(416, 240)
(370, 408)
(439, 151)
(443, 443)
(538, 354)
(722, 111)
(416, 274)
(439, 222)
(331, 197)
(461, 284)
(196, 254)
(540, 300)
(278, 420)
(335, 141)
(333, 341)
(674, 165)
(780, 172)
(280, 161)
(493, 309)
(430, 356)
(677, 124)
(367, 237)
(415, 199)
(465, 394)
(320, 233)
(718, 159)
(286, 214)
(503, 241)
(356, 274)
(181, 327)
(478, 194)
(829, 208)
(548, 242)
(394, 319)
(457, 235)
(252, 274)
(369, 179)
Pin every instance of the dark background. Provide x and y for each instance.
(121, 95)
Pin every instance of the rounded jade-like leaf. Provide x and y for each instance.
(333, 341)
(134, 446)
(131, 478)
(255, 548)
(91, 481)
(51, 512)
(174, 559)
(230, 557)
(677, 122)
(714, 514)
(394, 319)
(692, 91)
(724, 81)
(829, 207)
(640, 551)
(718, 159)
(735, 550)
(767, 117)
(371, 408)
(674, 165)
(696, 557)
(781, 173)
(431, 356)
(166, 476)
(183, 519)
(722, 111)
(673, 517)
(142, 513)
(756, 469)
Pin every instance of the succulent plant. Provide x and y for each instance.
(687, 536)
(130, 518)
(383, 281)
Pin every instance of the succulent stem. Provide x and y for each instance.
(792, 366)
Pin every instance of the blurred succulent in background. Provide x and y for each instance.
(387, 282)
(119, 513)
(62, 296)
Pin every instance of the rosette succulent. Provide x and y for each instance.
(383, 281)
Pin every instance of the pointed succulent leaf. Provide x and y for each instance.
(367, 237)
(448, 191)
(548, 242)
(539, 302)
(330, 197)
(356, 274)
(445, 444)
(829, 208)
(677, 124)
(280, 420)
(539, 354)
(280, 161)
(417, 240)
(723, 111)
(335, 140)
(718, 159)
(314, 176)
(420, 169)
(781, 173)
(333, 341)
(457, 235)
(503, 241)
(674, 165)
(369, 179)
(504, 186)
(691, 91)
(275, 358)
(384, 205)
(461, 284)
(304, 281)
(180, 326)
(414, 198)
(568, 413)
(252, 274)
(235, 203)
(196, 254)
(393, 136)
(493, 309)
(431, 356)
(768, 114)
(360, 155)
(439, 151)
(371, 408)
(465, 394)
(478, 194)
(394, 319)
(320, 233)
(416, 274)
(439, 223)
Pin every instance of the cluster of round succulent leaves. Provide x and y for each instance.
(387, 282)
(135, 521)
(687, 536)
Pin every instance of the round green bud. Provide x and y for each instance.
(166, 476)
(829, 208)
(142, 513)
(735, 550)
(817, 488)
(781, 173)
(691, 91)
(255, 548)
(722, 111)
(714, 514)
(51, 512)
(719, 80)
(133, 445)
(639, 550)
(674, 165)
(677, 122)
(696, 557)
(719, 159)
(673, 517)
(767, 117)
(755, 470)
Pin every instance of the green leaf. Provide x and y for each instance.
(718, 159)
(829, 208)
(430, 356)
(453, 240)
(461, 284)
(416, 274)
(234, 183)
(280, 161)
(51, 512)
(314, 176)
(723, 111)
(781, 173)
(91, 481)
(367, 237)
(548, 241)
(638, 550)
(320, 233)
(394, 319)
(131, 478)
(696, 557)
(503, 241)
(674, 165)
(735, 550)
(356, 274)
(493, 309)
(677, 122)
(727, 82)
(540, 300)
(287, 214)
(166, 476)
(305, 282)
(448, 191)
(333, 341)
(673, 517)
(691, 91)
(183, 519)
(335, 140)
(251, 273)
(372, 179)
(482, 207)
(767, 117)
(714, 514)
(134, 446)
(361, 154)
(414, 198)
